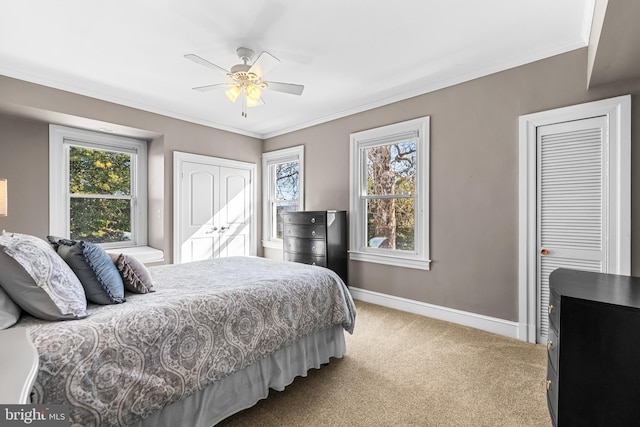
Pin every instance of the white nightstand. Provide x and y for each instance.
(18, 366)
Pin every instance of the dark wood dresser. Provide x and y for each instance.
(593, 368)
(318, 238)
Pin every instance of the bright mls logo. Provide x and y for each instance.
(34, 415)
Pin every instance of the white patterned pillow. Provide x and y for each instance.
(9, 310)
(38, 280)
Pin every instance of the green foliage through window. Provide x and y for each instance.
(94, 171)
(100, 192)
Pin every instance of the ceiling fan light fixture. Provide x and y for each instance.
(246, 79)
(253, 102)
(233, 93)
(253, 93)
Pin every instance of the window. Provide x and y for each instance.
(98, 185)
(283, 190)
(389, 205)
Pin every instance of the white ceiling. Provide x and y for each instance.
(351, 55)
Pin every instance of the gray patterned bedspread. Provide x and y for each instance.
(206, 320)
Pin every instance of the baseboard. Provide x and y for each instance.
(478, 321)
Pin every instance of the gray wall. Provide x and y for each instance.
(474, 171)
(24, 161)
(474, 180)
(26, 110)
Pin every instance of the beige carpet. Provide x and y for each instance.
(407, 370)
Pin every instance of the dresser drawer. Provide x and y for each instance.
(305, 231)
(309, 246)
(305, 218)
(316, 237)
(553, 348)
(552, 412)
(554, 310)
(306, 258)
(552, 393)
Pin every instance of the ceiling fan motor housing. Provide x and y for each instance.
(240, 68)
(245, 54)
(241, 75)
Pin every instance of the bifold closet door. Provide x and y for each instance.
(200, 206)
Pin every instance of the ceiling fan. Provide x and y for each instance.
(246, 80)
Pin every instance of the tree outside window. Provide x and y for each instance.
(391, 189)
(287, 189)
(283, 191)
(97, 187)
(389, 206)
(100, 195)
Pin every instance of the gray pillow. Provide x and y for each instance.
(9, 310)
(135, 276)
(99, 276)
(38, 280)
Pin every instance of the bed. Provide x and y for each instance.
(211, 340)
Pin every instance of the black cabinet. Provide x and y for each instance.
(318, 238)
(593, 368)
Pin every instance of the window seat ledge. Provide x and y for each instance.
(272, 244)
(144, 254)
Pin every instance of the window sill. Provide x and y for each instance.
(271, 244)
(144, 254)
(420, 264)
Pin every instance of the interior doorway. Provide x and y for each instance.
(575, 199)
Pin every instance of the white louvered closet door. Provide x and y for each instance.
(572, 195)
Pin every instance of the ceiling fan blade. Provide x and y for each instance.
(264, 64)
(211, 87)
(285, 87)
(202, 61)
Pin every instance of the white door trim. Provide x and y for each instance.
(178, 159)
(618, 112)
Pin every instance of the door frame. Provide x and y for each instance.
(179, 158)
(618, 113)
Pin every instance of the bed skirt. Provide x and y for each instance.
(245, 388)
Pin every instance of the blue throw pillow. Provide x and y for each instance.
(99, 276)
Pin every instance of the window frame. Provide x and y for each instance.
(385, 135)
(270, 159)
(60, 139)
